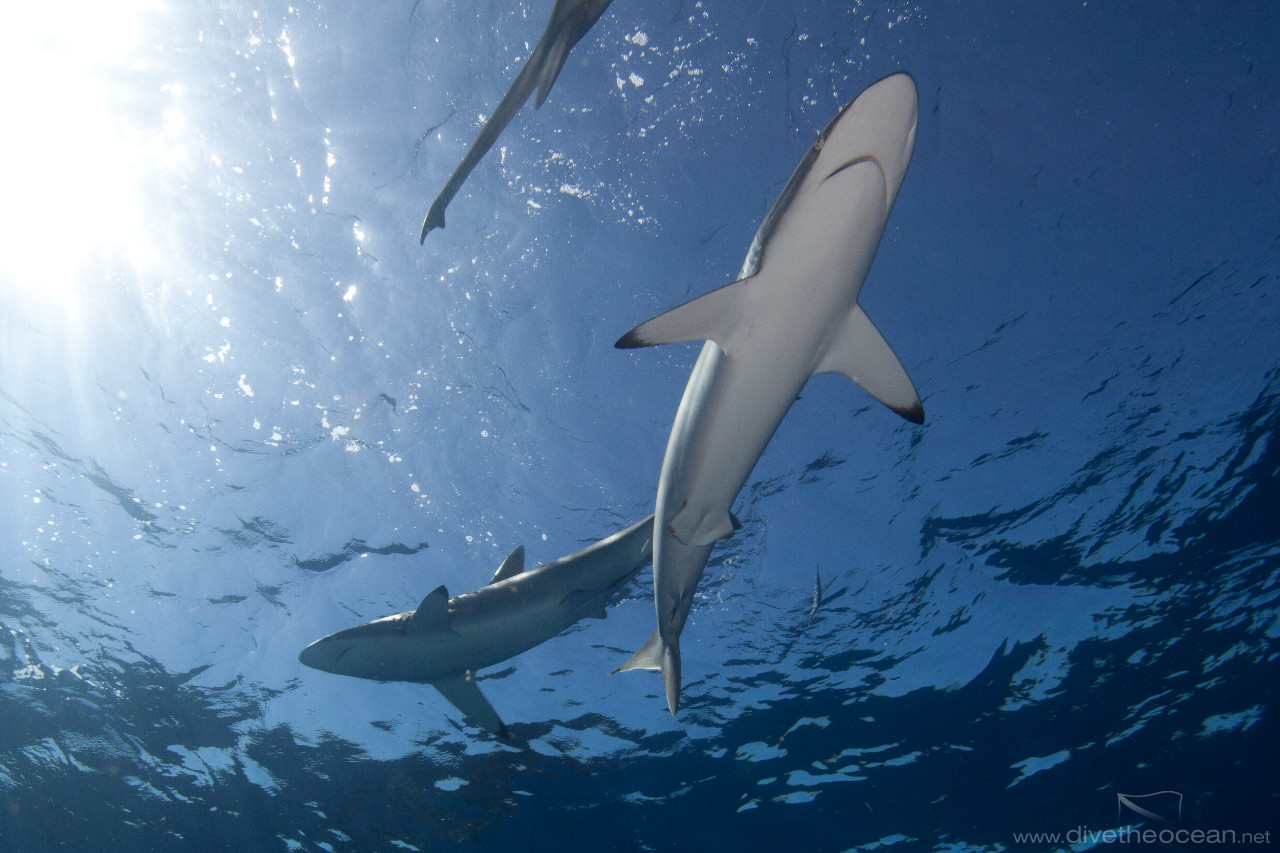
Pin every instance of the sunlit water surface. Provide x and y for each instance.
(241, 408)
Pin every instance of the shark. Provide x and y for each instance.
(570, 21)
(446, 640)
(792, 313)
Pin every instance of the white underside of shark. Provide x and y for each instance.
(793, 313)
(447, 640)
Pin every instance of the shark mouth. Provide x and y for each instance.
(866, 158)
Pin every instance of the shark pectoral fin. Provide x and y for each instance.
(859, 351)
(512, 566)
(696, 530)
(432, 614)
(711, 316)
(463, 693)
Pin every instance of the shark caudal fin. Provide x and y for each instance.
(859, 351)
(435, 217)
(657, 654)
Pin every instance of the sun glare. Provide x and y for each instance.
(68, 173)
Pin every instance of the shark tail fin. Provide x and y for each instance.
(658, 654)
(648, 657)
(859, 351)
(711, 316)
(435, 217)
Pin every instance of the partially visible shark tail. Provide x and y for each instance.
(656, 653)
(435, 217)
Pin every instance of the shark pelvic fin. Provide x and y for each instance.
(698, 530)
(711, 316)
(558, 47)
(859, 351)
(512, 566)
(570, 20)
(432, 614)
(463, 693)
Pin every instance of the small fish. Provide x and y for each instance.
(817, 595)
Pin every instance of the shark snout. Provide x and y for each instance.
(880, 127)
(889, 116)
(324, 654)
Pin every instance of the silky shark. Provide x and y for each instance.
(570, 20)
(446, 640)
(793, 313)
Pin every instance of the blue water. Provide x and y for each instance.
(241, 407)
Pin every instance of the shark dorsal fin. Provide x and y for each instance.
(432, 614)
(512, 566)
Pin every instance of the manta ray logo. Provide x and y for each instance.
(1157, 806)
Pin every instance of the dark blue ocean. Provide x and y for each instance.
(241, 408)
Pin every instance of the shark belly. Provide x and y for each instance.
(741, 389)
(496, 630)
(739, 393)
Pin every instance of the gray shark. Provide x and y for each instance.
(793, 313)
(446, 640)
(570, 20)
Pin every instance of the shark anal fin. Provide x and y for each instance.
(859, 351)
(697, 530)
(432, 614)
(512, 566)
(464, 694)
(710, 317)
